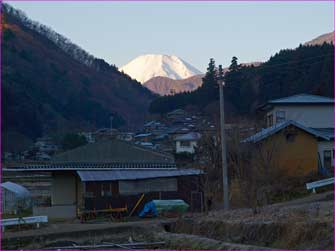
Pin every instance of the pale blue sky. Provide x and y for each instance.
(194, 31)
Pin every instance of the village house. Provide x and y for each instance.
(113, 174)
(143, 137)
(301, 129)
(308, 110)
(88, 136)
(187, 143)
(46, 144)
(294, 148)
(125, 136)
(176, 114)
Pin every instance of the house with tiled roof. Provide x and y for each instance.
(309, 110)
(113, 174)
(302, 129)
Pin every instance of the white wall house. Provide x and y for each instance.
(308, 110)
(186, 143)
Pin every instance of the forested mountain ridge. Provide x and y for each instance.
(47, 88)
(306, 69)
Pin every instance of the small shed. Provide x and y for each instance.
(15, 198)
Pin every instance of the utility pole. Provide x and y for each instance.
(223, 144)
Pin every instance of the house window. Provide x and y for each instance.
(280, 116)
(327, 159)
(185, 143)
(290, 137)
(106, 189)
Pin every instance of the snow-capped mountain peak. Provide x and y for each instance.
(148, 66)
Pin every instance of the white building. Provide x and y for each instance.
(309, 110)
(186, 143)
(46, 145)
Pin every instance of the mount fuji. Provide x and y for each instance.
(146, 67)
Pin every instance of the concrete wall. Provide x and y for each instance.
(63, 189)
(324, 146)
(56, 212)
(317, 116)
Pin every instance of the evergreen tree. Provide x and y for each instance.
(210, 79)
(306, 69)
(234, 66)
(208, 91)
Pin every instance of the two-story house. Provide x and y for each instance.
(308, 110)
(303, 128)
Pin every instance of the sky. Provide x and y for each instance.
(194, 31)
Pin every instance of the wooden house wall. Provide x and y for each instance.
(188, 190)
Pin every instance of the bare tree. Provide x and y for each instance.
(208, 157)
(59, 40)
(254, 167)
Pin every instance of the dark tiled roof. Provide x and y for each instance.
(112, 151)
(74, 166)
(302, 99)
(278, 127)
(327, 132)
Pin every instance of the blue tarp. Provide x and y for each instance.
(156, 207)
(149, 208)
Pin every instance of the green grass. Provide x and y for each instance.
(24, 213)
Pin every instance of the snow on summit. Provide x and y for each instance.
(148, 66)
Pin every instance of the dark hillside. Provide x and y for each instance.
(46, 88)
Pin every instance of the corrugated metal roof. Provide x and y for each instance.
(264, 133)
(74, 166)
(111, 175)
(19, 190)
(303, 98)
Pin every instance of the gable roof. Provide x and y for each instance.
(303, 99)
(264, 133)
(327, 132)
(113, 151)
(189, 136)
